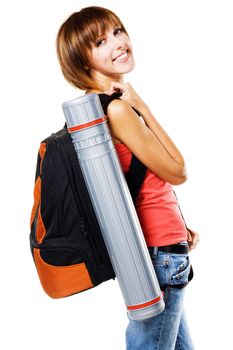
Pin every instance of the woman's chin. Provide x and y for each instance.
(127, 69)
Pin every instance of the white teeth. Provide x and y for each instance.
(122, 56)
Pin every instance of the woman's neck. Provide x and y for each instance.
(104, 83)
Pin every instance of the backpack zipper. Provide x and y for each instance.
(64, 245)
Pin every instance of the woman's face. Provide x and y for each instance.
(112, 54)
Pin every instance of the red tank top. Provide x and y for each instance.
(156, 206)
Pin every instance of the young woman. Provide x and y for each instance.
(95, 51)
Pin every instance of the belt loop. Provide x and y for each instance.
(155, 251)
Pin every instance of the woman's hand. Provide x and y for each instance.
(193, 239)
(128, 94)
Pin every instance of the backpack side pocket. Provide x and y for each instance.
(59, 281)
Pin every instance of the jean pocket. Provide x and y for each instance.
(180, 269)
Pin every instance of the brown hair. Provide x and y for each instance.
(75, 40)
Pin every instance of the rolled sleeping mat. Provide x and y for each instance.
(113, 206)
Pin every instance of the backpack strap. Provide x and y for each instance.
(106, 99)
(136, 174)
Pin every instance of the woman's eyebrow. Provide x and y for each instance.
(113, 27)
(101, 34)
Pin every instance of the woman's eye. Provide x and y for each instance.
(117, 30)
(99, 42)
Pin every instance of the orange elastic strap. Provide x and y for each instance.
(140, 306)
(87, 125)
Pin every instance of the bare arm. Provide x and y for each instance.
(149, 142)
(160, 133)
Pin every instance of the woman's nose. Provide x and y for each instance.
(117, 43)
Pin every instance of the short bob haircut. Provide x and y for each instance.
(75, 40)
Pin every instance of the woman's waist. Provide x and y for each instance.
(166, 205)
(161, 218)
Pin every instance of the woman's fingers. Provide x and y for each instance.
(189, 237)
(116, 87)
(129, 95)
(193, 239)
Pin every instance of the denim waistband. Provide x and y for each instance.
(178, 248)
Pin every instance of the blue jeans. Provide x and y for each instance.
(169, 329)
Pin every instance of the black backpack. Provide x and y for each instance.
(66, 242)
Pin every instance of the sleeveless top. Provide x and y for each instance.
(156, 204)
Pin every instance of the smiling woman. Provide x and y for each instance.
(81, 45)
(95, 51)
(112, 55)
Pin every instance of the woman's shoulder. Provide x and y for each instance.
(107, 99)
(119, 113)
(122, 115)
(117, 105)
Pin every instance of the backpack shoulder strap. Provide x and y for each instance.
(136, 174)
(106, 99)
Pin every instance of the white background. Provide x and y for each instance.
(184, 72)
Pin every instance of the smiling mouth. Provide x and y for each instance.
(123, 57)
